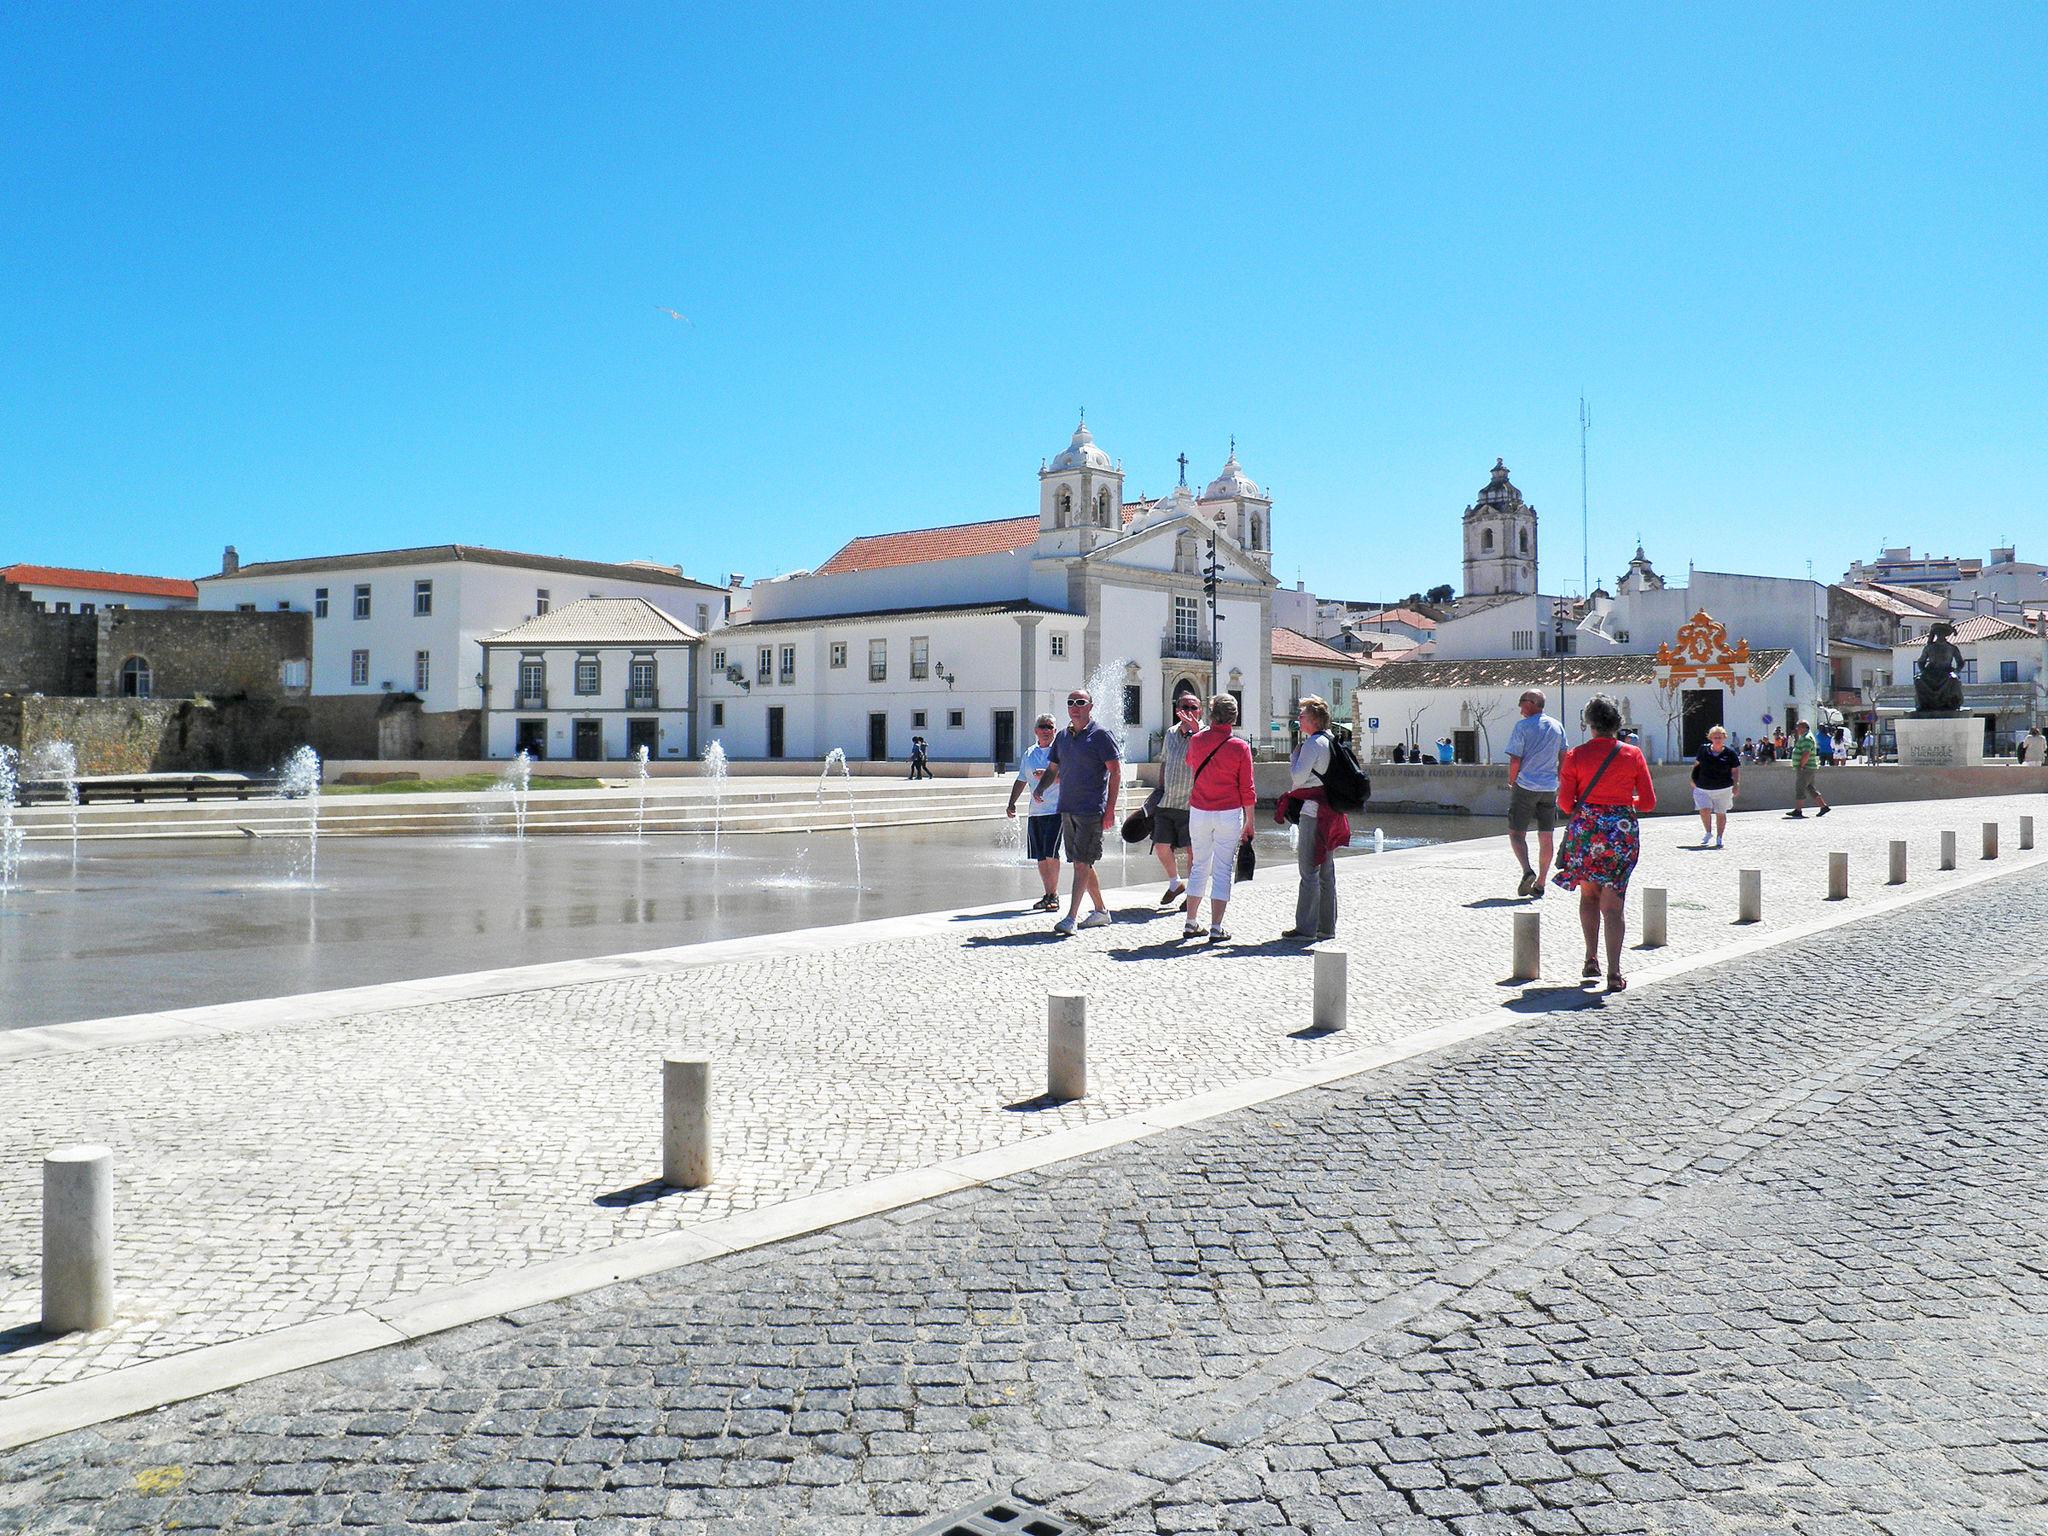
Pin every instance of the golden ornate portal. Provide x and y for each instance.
(1700, 653)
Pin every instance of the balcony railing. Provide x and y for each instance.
(530, 698)
(1172, 648)
(643, 698)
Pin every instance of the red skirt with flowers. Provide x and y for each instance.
(1601, 844)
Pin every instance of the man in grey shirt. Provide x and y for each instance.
(1535, 746)
(1170, 836)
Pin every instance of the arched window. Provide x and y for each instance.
(1062, 507)
(1184, 554)
(1258, 531)
(135, 682)
(1525, 541)
(1102, 507)
(1486, 540)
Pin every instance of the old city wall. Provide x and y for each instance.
(43, 652)
(193, 654)
(161, 735)
(392, 727)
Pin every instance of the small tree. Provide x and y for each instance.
(1479, 709)
(1671, 705)
(1414, 723)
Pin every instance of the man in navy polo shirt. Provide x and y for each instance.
(1086, 767)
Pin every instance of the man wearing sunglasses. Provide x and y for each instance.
(1086, 767)
(1042, 828)
(1171, 840)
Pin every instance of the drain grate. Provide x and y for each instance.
(997, 1517)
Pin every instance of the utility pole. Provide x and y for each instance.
(1585, 520)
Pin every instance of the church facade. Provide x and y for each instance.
(964, 634)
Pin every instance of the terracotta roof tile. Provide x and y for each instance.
(1291, 645)
(98, 581)
(1615, 668)
(1989, 627)
(879, 551)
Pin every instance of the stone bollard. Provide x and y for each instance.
(2026, 833)
(1749, 898)
(1528, 946)
(1333, 978)
(686, 1121)
(1898, 874)
(1990, 839)
(1838, 877)
(1066, 1045)
(1656, 920)
(78, 1239)
(1948, 850)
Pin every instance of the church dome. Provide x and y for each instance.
(1499, 490)
(1081, 453)
(1233, 481)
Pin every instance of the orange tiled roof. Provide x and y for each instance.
(878, 551)
(1406, 616)
(1291, 645)
(98, 581)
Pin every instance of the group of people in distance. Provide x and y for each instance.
(1201, 816)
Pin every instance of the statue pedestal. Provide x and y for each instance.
(1940, 741)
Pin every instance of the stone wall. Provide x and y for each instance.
(391, 727)
(193, 654)
(43, 652)
(160, 735)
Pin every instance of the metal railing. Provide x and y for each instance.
(530, 698)
(1172, 648)
(643, 698)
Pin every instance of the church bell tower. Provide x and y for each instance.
(1500, 539)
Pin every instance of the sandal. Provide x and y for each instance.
(1590, 970)
(1219, 936)
(1616, 982)
(1191, 931)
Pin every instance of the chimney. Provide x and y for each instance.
(230, 562)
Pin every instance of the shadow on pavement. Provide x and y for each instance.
(1559, 999)
(637, 1194)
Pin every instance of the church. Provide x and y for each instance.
(963, 634)
(1721, 648)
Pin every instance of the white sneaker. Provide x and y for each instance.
(1717, 842)
(1096, 919)
(1064, 927)
(1706, 838)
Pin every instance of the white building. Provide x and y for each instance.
(964, 634)
(396, 632)
(1997, 585)
(61, 589)
(599, 679)
(1751, 652)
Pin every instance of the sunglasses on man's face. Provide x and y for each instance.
(1077, 703)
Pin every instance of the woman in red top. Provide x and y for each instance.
(1219, 814)
(1601, 784)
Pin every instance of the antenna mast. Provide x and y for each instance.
(1585, 521)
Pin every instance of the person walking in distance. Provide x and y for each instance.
(1315, 900)
(1716, 776)
(1602, 785)
(1805, 772)
(920, 764)
(1085, 766)
(1535, 746)
(1220, 801)
(1170, 837)
(1042, 826)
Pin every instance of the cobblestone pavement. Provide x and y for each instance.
(295, 1173)
(1715, 1257)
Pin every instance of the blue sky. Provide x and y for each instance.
(311, 279)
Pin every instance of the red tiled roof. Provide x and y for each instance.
(1291, 645)
(1406, 616)
(878, 551)
(98, 581)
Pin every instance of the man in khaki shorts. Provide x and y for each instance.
(1535, 746)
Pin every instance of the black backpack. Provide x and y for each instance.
(1345, 784)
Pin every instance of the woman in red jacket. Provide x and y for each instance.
(1219, 814)
(1601, 784)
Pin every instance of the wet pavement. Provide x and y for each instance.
(142, 926)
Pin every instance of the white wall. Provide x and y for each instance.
(826, 707)
(1445, 711)
(471, 601)
(998, 578)
(672, 666)
(99, 598)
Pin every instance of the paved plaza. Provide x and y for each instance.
(1757, 1249)
(274, 1174)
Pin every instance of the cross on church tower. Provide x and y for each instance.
(1183, 461)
